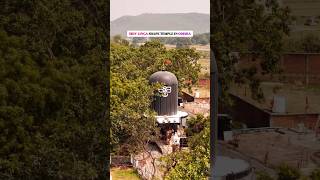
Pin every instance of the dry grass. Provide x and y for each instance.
(197, 47)
(205, 67)
(124, 174)
(201, 48)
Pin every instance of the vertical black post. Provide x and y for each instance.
(307, 69)
(214, 94)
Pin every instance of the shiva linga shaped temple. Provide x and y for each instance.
(170, 120)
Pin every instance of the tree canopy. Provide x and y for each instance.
(202, 39)
(194, 163)
(132, 122)
(247, 26)
(53, 89)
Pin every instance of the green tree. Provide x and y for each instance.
(119, 40)
(262, 175)
(53, 89)
(315, 175)
(132, 122)
(183, 62)
(183, 42)
(202, 39)
(286, 172)
(196, 124)
(247, 26)
(192, 164)
(136, 40)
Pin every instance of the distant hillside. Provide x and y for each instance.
(199, 23)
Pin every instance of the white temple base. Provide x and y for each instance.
(173, 118)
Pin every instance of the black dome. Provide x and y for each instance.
(165, 77)
(165, 100)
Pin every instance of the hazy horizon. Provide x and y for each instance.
(119, 8)
(160, 13)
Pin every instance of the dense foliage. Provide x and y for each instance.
(202, 39)
(247, 26)
(286, 172)
(315, 174)
(132, 122)
(262, 175)
(194, 163)
(53, 76)
(196, 124)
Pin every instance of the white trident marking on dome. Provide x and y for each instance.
(164, 91)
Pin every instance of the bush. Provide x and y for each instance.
(315, 175)
(286, 172)
(262, 175)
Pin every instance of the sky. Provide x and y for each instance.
(120, 8)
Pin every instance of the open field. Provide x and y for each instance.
(201, 47)
(197, 47)
(124, 174)
(205, 68)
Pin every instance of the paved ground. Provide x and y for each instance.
(272, 149)
(222, 149)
